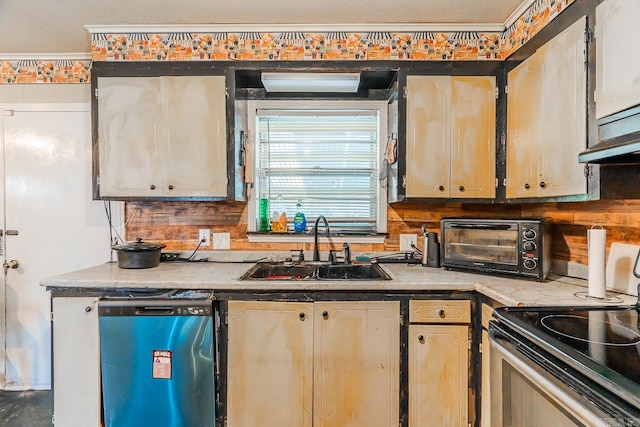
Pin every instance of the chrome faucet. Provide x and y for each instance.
(347, 253)
(316, 253)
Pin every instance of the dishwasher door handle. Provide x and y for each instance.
(155, 310)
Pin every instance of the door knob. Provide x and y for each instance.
(10, 264)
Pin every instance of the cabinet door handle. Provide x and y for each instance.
(421, 339)
(325, 314)
(527, 186)
(461, 188)
(441, 313)
(170, 187)
(302, 316)
(543, 184)
(441, 188)
(152, 187)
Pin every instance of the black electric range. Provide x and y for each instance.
(600, 343)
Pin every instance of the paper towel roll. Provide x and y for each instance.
(597, 243)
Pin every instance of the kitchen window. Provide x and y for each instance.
(325, 155)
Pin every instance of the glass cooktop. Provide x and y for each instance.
(603, 342)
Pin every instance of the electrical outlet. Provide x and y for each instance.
(205, 234)
(406, 240)
(221, 241)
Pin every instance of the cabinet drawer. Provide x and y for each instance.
(439, 311)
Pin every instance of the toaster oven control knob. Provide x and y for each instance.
(529, 263)
(529, 246)
(529, 233)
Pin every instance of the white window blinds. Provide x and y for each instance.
(325, 158)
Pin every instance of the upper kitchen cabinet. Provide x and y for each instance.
(547, 119)
(160, 136)
(617, 66)
(450, 137)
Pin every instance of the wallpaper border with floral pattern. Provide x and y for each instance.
(289, 46)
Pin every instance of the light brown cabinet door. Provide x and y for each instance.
(270, 357)
(451, 137)
(546, 119)
(438, 375)
(162, 136)
(473, 137)
(76, 362)
(129, 136)
(562, 122)
(522, 104)
(196, 160)
(356, 369)
(428, 136)
(485, 391)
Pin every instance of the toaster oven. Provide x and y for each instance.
(519, 246)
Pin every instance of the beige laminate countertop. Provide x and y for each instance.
(224, 277)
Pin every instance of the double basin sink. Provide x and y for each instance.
(314, 271)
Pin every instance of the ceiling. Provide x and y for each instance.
(46, 26)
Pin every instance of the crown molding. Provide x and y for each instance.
(283, 28)
(45, 57)
(526, 4)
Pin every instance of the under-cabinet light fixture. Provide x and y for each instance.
(311, 82)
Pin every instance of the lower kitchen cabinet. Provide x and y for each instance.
(321, 364)
(439, 364)
(356, 364)
(76, 362)
(485, 385)
(270, 364)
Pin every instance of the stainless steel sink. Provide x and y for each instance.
(314, 271)
(352, 272)
(280, 271)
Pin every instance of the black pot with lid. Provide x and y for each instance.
(139, 254)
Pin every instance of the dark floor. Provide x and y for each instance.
(26, 408)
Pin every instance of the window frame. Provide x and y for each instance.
(253, 106)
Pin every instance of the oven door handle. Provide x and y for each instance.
(480, 226)
(554, 388)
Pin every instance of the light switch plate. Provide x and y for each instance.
(406, 240)
(221, 241)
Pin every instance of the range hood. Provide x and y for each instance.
(619, 140)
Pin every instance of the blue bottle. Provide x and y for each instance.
(299, 220)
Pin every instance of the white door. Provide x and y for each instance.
(50, 225)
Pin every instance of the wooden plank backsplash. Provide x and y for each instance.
(176, 224)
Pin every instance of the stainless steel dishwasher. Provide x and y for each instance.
(157, 363)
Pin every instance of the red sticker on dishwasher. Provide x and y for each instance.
(161, 364)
